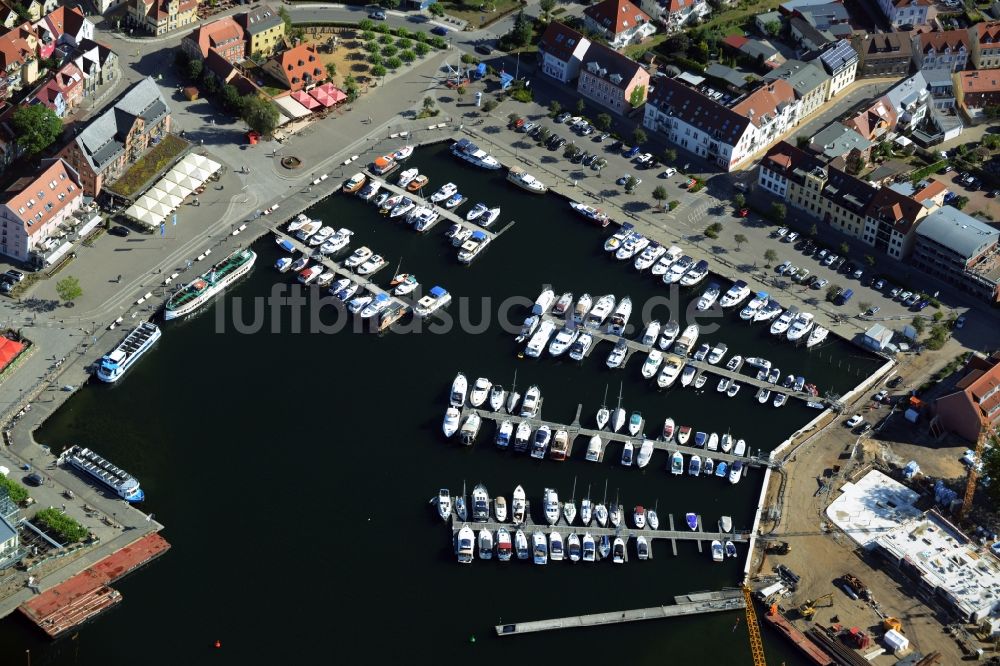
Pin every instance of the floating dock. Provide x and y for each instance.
(575, 430)
(88, 594)
(690, 604)
(702, 366)
(812, 651)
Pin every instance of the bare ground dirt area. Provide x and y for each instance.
(821, 554)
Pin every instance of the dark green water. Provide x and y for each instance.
(293, 471)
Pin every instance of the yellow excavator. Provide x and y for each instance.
(808, 609)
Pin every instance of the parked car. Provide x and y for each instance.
(535, 131)
(919, 307)
(484, 49)
(617, 145)
(623, 179)
(878, 284)
(743, 212)
(632, 152)
(960, 322)
(829, 259)
(820, 283)
(780, 232)
(377, 15)
(858, 274)
(586, 130)
(854, 420)
(563, 117)
(668, 172)
(790, 238)
(894, 292)
(904, 295)
(791, 271)
(560, 142)
(837, 263)
(602, 136)
(440, 30)
(644, 159)
(14, 275)
(780, 270)
(894, 382)
(599, 164)
(872, 311)
(912, 300)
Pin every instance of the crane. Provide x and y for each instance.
(753, 629)
(985, 431)
(808, 609)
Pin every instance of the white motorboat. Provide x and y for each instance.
(617, 355)
(480, 504)
(358, 303)
(708, 467)
(618, 551)
(464, 544)
(758, 362)
(470, 429)
(800, 327)
(652, 333)
(645, 453)
(555, 547)
(683, 434)
(727, 443)
(444, 504)
(526, 181)
(370, 189)
(551, 503)
(649, 256)
(569, 511)
(717, 353)
(387, 201)
(754, 305)
(735, 472)
(678, 269)
(424, 218)
(713, 442)
(669, 428)
(539, 548)
(615, 515)
(321, 236)
(586, 509)
(669, 334)
(589, 548)
(540, 339)
(702, 352)
(652, 363)
(734, 363)
(583, 306)
(666, 261)
(560, 448)
(544, 302)
(379, 303)
(522, 437)
(504, 547)
(687, 340)
(573, 547)
(451, 421)
(504, 434)
(436, 299)
(408, 284)
(780, 325)
(485, 545)
(531, 403)
(717, 553)
(687, 375)
(677, 463)
(459, 387)
(480, 391)
(497, 396)
(283, 264)
(519, 506)
(528, 328)
(540, 444)
(403, 153)
(297, 223)
(562, 305)
(344, 289)
(476, 211)
(769, 311)
(564, 338)
(489, 217)
(694, 465)
(631, 246)
(500, 509)
(405, 205)
(619, 320)
(601, 310)
(672, 366)
(709, 296)
(763, 396)
(578, 350)
(407, 177)
(337, 242)
(780, 399)
(308, 229)
(652, 519)
(817, 336)
(639, 517)
(695, 274)
(734, 388)
(635, 423)
(595, 215)
(373, 264)
(741, 448)
(444, 192)
(360, 256)
(618, 416)
(594, 449)
(628, 454)
(739, 291)
(614, 242)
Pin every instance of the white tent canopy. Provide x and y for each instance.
(140, 214)
(166, 198)
(162, 199)
(183, 180)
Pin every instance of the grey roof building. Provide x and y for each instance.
(959, 249)
(836, 140)
(804, 77)
(959, 233)
(119, 136)
(727, 74)
(824, 16)
(839, 57)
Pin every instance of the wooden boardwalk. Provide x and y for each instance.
(575, 431)
(726, 600)
(446, 214)
(634, 347)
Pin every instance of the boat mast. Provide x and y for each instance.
(604, 403)
(572, 498)
(619, 396)
(604, 501)
(588, 491)
(513, 386)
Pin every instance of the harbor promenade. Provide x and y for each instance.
(575, 430)
(688, 604)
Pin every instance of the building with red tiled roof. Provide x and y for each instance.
(891, 219)
(977, 89)
(874, 122)
(975, 401)
(946, 49)
(560, 52)
(159, 17)
(608, 78)
(34, 207)
(18, 59)
(297, 68)
(62, 92)
(63, 26)
(618, 21)
(908, 12)
(224, 36)
(985, 43)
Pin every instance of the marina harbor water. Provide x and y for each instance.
(294, 468)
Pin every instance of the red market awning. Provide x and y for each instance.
(305, 100)
(9, 351)
(321, 97)
(334, 92)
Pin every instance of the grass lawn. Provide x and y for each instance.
(739, 15)
(149, 165)
(473, 11)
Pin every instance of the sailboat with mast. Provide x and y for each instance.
(569, 508)
(513, 396)
(460, 509)
(586, 509)
(603, 414)
(618, 419)
(601, 510)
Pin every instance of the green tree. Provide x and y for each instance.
(389, 4)
(489, 105)
(408, 55)
(287, 19)
(389, 51)
(428, 103)
(403, 33)
(385, 39)
(803, 141)
(637, 96)
(194, 68)
(813, 231)
(521, 33)
(230, 98)
(378, 70)
(772, 28)
(960, 202)
(37, 127)
(543, 135)
(864, 306)
(331, 70)
(631, 183)
(919, 324)
(363, 25)
(581, 106)
(770, 256)
(639, 136)
(660, 194)
(63, 527)
(394, 62)
(603, 121)
(512, 118)
(15, 490)
(991, 468)
(547, 6)
(422, 49)
(259, 114)
(739, 200)
(778, 211)
(845, 249)
(740, 239)
(69, 289)
(713, 230)
(832, 291)
(554, 108)
(209, 83)
(870, 260)
(669, 155)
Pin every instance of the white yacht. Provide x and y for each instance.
(563, 340)
(424, 218)
(709, 296)
(754, 305)
(360, 256)
(769, 311)
(817, 336)
(562, 305)
(717, 353)
(800, 327)
(526, 181)
(485, 545)
(678, 269)
(594, 449)
(497, 397)
(781, 324)
(444, 192)
(480, 504)
(545, 300)
(405, 205)
(337, 242)
(407, 177)
(473, 154)
(531, 403)
(666, 261)
(686, 342)
(583, 306)
(652, 333)
(451, 421)
(687, 375)
(500, 509)
(652, 363)
(672, 366)
(649, 256)
(589, 548)
(614, 242)
(435, 299)
(578, 350)
(669, 334)
(540, 444)
(504, 547)
(379, 303)
(480, 392)
(521, 545)
(631, 246)
(555, 547)
(617, 355)
(489, 217)
(470, 429)
(601, 310)
(444, 504)
(739, 291)
(619, 320)
(695, 274)
(476, 211)
(372, 265)
(645, 453)
(519, 506)
(539, 548)
(464, 544)
(551, 500)
(321, 236)
(540, 338)
(459, 387)
(504, 434)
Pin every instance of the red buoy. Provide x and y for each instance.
(218, 643)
